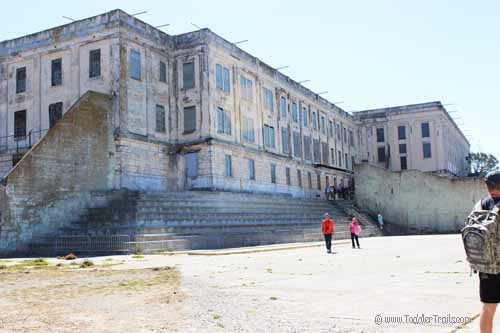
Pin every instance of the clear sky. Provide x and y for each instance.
(368, 54)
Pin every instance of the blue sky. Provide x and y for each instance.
(368, 54)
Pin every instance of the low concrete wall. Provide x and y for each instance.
(417, 202)
(52, 184)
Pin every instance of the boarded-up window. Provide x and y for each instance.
(248, 131)
(191, 165)
(223, 121)
(228, 166)
(288, 178)
(55, 113)
(269, 139)
(285, 140)
(160, 119)
(299, 178)
(95, 63)
(20, 80)
(273, 173)
(317, 153)
(307, 148)
(251, 169)
(324, 151)
(20, 124)
(189, 119)
(135, 64)
(56, 72)
(188, 75)
(163, 72)
(297, 151)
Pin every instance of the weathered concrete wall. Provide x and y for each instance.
(417, 202)
(51, 185)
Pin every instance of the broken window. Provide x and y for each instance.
(189, 119)
(56, 71)
(55, 113)
(20, 80)
(160, 119)
(20, 124)
(188, 75)
(163, 72)
(95, 63)
(135, 64)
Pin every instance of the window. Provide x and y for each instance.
(323, 125)
(273, 173)
(95, 63)
(191, 165)
(307, 148)
(380, 135)
(297, 151)
(425, 130)
(288, 178)
(314, 123)
(20, 80)
(160, 118)
(338, 132)
(404, 166)
(283, 107)
(20, 124)
(318, 181)
(268, 99)
(188, 75)
(269, 140)
(309, 179)
(227, 81)
(351, 138)
(285, 141)
(248, 132)
(222, 80)
(251, 169)
(246, 88)
(339, 159)
(218, 76)
(299, 178)
(316, 151)
(332, 156)
(427, 150)
(305, 112)
(295, 115)
(56, 72)
(345, 135)
(223, 121)
(55, 113)
(401, 133)
(16, 158)
(135, 64)
(381, 154)
(346, 161)
(228, 167)
(331, 129)
(324, 152)
(402, 148)
(189, 119)
(163, 72)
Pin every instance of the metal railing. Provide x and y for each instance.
(93, 244)
(20, 141)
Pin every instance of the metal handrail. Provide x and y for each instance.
(19, 143)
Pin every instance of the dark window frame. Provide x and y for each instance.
(20, 124)
(163, 72)
(55, 113)
(94, 63)
(188, 75)
(160, 113)
(21, 74)
(56, 78)
(187, 111)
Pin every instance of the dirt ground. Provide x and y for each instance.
(50, 298)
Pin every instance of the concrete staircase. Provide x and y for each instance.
(350, 208)
(207, 220)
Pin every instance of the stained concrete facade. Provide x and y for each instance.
(401, 133)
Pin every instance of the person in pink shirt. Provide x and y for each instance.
(355, 230)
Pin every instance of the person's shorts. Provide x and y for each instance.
(489, 288)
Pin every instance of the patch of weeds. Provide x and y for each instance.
(269, 270)
(137, 256)
(35, 262)
(108, 259)
(272, 298)
(458, 261)
(138, 253)
(69, 256)
(3, 266)
(74, 263)
(87, 263)
(164, 268)
(216, 316)
(220, 325)
(5, 260)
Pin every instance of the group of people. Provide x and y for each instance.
(327, 227)
(338, 192)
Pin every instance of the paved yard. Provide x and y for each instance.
(418, 279)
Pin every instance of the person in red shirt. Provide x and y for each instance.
(327, 228)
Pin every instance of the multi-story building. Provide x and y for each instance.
(191, 111)
(419, 136)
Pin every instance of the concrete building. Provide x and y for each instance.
(236, 123)
(419, 137)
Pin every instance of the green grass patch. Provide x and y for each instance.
(137, 256)
(87, 263)
(216, 316)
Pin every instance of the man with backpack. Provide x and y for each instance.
(481, 236)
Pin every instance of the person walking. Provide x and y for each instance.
(355, 230)
(380, 220)
(327, 228)
(489, 284)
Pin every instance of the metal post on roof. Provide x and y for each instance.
(303, 81)
(163, 25)
(282, 67)
(69, 18)
(139, 13)
(196, 26)
(241, 41)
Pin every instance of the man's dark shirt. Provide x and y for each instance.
(489, 202)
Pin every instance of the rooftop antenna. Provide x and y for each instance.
(282, 67)
(323, 92)
(69, 18)
(163, 25)
(340, 102)
(196, 26)
(140, 13)
(303, 81)
(241, 41)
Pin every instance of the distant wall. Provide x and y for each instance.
(417, 202)
(52, 184)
